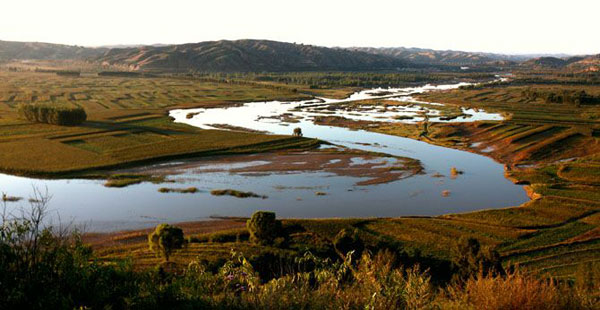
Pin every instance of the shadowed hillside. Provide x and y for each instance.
(47, 51)
(248, 55)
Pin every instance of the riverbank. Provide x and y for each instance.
(127, 123)
(554, 234)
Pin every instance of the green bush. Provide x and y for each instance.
(166, 239)
(232, 235)
(52, 114)
(470, 259)
(263, 227)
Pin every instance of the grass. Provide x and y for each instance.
(123, 180)
(7, 198)
(189, 190)
(236, 193)
(126, 122)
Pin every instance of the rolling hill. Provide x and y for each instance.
(444, 57)
(273, 56)
(247, 55)
(10, 50)
(427, 56)
(588, 63)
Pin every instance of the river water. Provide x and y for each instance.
(292, 195)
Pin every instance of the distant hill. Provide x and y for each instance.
(439, 57)
(545, 63)
(247, 55)
(10, 50)
(587, 64)
(427, 56)
(575, 63)
(265, 55)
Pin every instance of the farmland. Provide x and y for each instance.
(127, 122)
(550, 148)
(551, 235)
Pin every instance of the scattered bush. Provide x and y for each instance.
(166, 239)
(515, 291)
(470, 259)
(52, 114)
(7, 198)
(235, 193)
(297, 132)
(189, 190)
(263, 227)
(233, 235)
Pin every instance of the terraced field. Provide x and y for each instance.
(551, 147)
(556, 154)
(127, 122)
(537, 131)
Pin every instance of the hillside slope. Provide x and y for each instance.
(247, 55)
(10, 50)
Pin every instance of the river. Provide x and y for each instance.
(292, 195)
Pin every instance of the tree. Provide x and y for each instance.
(298, 132)
(263, 227)
(471, 259)
(166, 239)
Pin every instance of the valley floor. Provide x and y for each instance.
(554, 234)
(551, 148)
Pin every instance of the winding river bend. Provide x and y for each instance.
(292, 195)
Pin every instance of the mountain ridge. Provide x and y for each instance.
(247, 55)
(15, 50)
(268, 55)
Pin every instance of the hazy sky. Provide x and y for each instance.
(508, 26)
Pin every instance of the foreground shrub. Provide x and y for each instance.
(470, 259)
(166, 239)
(513, 291)
(43, 267)
(263, 227)
(52, 114)
(347, 241)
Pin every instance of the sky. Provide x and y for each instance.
(508, 26)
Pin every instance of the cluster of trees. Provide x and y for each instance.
(317, 80)
(575, 97)
(68, 73)
(52, 114)
(552, 78)
(120, 73)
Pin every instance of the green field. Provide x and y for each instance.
(127, 122)
(551, 148)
